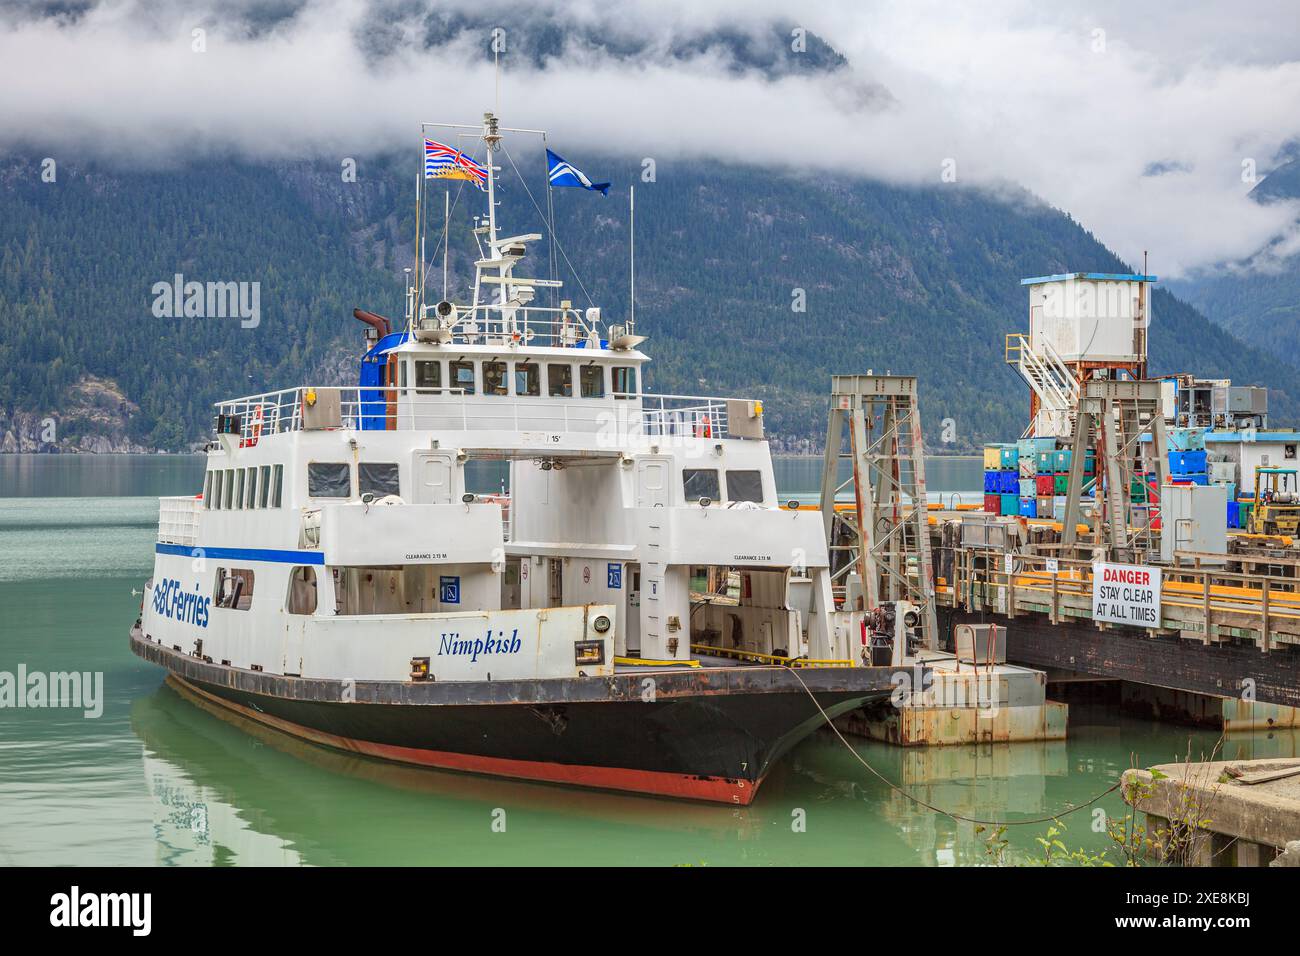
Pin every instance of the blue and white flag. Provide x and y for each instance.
(562, 173)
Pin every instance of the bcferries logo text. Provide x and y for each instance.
(172, 600)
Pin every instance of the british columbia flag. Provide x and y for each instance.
(446, 162)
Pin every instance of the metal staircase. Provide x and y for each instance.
(1051, 379)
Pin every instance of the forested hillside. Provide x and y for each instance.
(922, 281)
(1258, 302)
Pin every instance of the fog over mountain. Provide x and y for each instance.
(1144, 127)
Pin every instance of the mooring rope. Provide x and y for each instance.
(929, 806)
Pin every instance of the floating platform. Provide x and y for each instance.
(965, 704)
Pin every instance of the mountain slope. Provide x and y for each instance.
(1258, 305)
(920, 281)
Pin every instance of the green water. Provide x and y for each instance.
(157, 780)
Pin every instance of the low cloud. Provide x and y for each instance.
(1145, 132)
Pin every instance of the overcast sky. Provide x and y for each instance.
(1137, 118)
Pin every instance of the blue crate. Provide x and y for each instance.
(1010, 505)
(1187, 462)
(1234, 515)
(1029, 507)
(1187, 439)
(1011, 457)
(992, 482)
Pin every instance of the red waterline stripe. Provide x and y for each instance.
(715, 789)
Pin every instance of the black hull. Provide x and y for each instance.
(708, 733)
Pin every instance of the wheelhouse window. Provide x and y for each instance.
(495, 381)
(329, 479)
(700, 483)
(234, 589)
(239, 487)
(228, 495)
(744, 485)
(624, 380)
(266, 486)
(591, 381)
(428, 376)
(302, 591)
(207, 490)
(528, 378)
(379, 478)
(216, 490)
(278, 486)
(559, 381)
(462, 376)
(252, 488)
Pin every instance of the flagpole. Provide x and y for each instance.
(446, 229)
(631, 247)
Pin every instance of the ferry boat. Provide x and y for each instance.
(636, 612)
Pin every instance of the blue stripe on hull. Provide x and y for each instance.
(242, 554)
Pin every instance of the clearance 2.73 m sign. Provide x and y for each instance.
(1126, 594)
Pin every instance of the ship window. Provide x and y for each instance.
(279, 486)
(428, 376)
(266, 486)
(591, 381)
(494, 379)
(700, 483)
(528, 378)
(252, 487)
(234, 589)
(378, 477)
(401, 373)
(302, 591)
(559, 381)
(624, 381)
(230, 489)
(207, 490)
(216, 490)
(329, 479)
(462, 376)
(239, 486)
(744, 485)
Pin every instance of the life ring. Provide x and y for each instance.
(257, 426)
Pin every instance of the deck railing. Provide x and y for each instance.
(619, 415)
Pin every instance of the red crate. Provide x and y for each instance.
(993, 504)
(1043, 485)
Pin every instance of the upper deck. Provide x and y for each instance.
(487, 387)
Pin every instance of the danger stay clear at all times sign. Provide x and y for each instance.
(1126, 594)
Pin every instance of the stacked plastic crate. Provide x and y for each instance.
(1001, 480)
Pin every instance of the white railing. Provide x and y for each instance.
(621, 415)
(178, 520)
(683, 416)
(495, 324)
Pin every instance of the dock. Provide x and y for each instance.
(1246, 812)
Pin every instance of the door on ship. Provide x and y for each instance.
(434, 482)
(652, 483)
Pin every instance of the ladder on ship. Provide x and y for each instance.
(885, 537)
